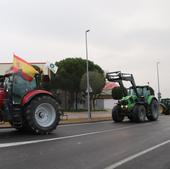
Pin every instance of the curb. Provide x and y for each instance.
(5, 126)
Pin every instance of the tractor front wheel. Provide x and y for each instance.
(42, 114)
(116, 114)
(139, 113)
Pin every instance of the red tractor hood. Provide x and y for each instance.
(33, 93)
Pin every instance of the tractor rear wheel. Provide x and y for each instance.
(116, 114)
(139, 113)
(154, 110)
(42, 114)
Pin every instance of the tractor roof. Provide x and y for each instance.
(144, 86)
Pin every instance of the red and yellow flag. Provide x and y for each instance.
(26, 68)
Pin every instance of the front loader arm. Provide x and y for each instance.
(120, 77)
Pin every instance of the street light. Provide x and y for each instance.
(159, 93)
(87, 72)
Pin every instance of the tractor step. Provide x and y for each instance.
(16, 117)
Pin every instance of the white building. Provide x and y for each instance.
(105, 100)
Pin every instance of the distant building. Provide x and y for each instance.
(6, 66)
(105, 100)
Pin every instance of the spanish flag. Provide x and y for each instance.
(26, 68)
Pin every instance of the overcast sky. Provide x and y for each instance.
(126, 35)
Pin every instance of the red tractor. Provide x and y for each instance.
(25, 106)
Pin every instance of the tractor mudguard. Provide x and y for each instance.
(34, 93)
(150, 98)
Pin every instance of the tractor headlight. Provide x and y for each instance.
(124, 106)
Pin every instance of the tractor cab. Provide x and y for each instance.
(16, 86)
(143, 91)
(26, 106)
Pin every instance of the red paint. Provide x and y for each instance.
(2, 97)
(29, 62)
(32, 93)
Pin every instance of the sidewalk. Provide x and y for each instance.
(80, 117)
(77, 117)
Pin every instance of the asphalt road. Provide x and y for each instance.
(102, 145)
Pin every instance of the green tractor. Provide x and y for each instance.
(165, 106)
(136, 102)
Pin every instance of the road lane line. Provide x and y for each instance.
(3, 145)
(130, 158)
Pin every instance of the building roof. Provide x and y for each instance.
(109, 86)
(107, 90)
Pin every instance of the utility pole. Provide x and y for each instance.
(87, 72)
(159, 93)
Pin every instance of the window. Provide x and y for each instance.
(21, 87)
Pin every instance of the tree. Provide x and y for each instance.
(69, 74)
(96, 81)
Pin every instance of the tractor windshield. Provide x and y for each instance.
(17, 87)
(131, 91)
(21, 87)
(142, 91)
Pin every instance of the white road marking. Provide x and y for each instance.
(3, 145)
(115, 165)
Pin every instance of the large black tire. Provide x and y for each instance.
(42, 114)
(154, 111)
(139, 113)
(24, 128)
(167, 112)
(116, 114)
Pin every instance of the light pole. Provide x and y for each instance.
(159, 93)
(87, 72)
